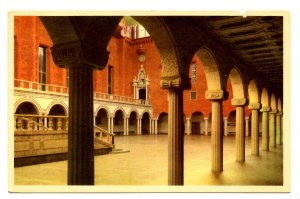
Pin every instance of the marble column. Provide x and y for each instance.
(225, 119)
(108, 124)
(127, 126)
(239, 128)
(188, 126)
(150, 126)
(247, 126)
(206, 125)
(278, 128)
(175, 137)
(265, 129)
(272, 128)
(112, 125)
(254, 128)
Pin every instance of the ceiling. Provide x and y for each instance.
(258, 41)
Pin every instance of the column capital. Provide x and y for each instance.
(225, 118)
(216, 94)
(254, 106)
(273, 111)
(246, 118)
(279, 113)
(80, 53)
(205, 118)
(175, 82)
(238, 101)
(265, 109)
(188, 118)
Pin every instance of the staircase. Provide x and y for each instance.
(103, 141)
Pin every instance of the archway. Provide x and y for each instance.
(24, 113)
(102, 119)
(198, 124)
(231, 123)
(132, 128)
(146, 123)
(162, 123)
(57, 117)
(119, 123)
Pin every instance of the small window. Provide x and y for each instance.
(193, 95)
(110, 68)
(42, 67)
(194, 72)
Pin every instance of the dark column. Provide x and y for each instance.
(81, 136)
(175, 136)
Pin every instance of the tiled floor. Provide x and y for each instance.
(146, 164)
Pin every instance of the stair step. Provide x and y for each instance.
(116, 151)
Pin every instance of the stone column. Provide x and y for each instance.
(206, 125)
(240, 129)
(150, 126)
(272, 128)
(265, 130)
(225, 126)
(278, 128)
(247, 126)
(112, 125)
(19, 123)
(254, 128)
(46, 122)
(108, 124)
(127, 126)
(175, 137)
(216, 98)
(155, 126)
(124, 123)
(67, 124)
(41, 123)
(188, 126)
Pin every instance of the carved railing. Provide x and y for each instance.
(38, 87)
(102, 136)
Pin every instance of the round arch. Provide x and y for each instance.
(162, 123)
(279, 105)
(273, 102)
(119, 109)
(146, 111)
(26, 108)
(32, 101)
(102, 107)
(237, 84)
(253, 92)
(52, 104)
(211, 69)
(57, 109)
(265, 98)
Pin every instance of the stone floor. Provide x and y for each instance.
(146, 164)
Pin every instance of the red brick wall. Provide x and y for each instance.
(30, 33)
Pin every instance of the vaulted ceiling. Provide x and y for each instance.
(258, 41)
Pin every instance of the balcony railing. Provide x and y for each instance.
(39, 87)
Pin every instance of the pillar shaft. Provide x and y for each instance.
(216, 137)
(240, 134)
(254, 133)
(247, 126)
(124, 124)
(278, 129)
(80, 134)
(265, 131)
(112, 125)
(155, 126)
(225, 127)
(188, 126)
(206, 125)
(175, 137)
(272, 130)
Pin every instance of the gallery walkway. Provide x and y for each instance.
(146, 164)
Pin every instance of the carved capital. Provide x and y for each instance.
(273, 111)
(254, 106)
(215, 95)
(183, 83)
(238, 101)
(80, 53)
(265, 109)
(279, 113)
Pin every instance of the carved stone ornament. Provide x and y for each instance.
(265, 109)
(172, 83)
(273, 111)
(214, 95)
(238, 101)
(254, 106)
(279, 113)
(80, 53)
